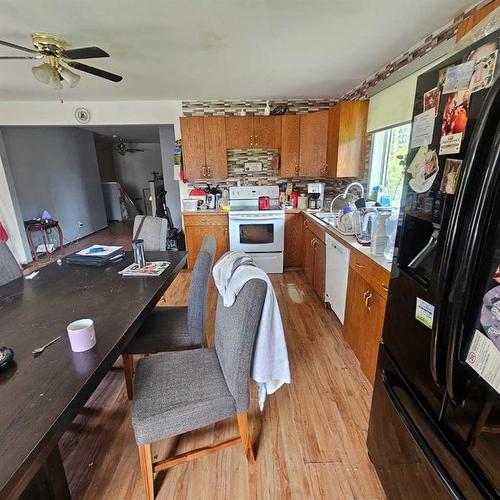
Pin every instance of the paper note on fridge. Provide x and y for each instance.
(484, 358)
(450, 144)
(423, 128)
(458, 77)
(424, 312)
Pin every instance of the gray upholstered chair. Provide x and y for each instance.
(154, 232)
(181, 391)
(175, 328)
(9, 268)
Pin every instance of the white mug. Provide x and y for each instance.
(81, 335)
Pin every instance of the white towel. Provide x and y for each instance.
(270, 360)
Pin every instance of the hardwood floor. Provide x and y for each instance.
(310, 438)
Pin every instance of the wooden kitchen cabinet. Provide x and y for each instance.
(215, 147)
(319, 268)
(293, 240)
(251, 132)
(346, 148)
(364, 318)
(314, 257)
(197, 226)
(313, 144)
(290, 140)
(204, 147)
(239, 132)
(267, 132)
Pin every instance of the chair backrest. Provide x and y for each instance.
(200, 277)
(154, 232)
(235, 330)
(9, 268)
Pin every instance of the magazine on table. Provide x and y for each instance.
(150, 269)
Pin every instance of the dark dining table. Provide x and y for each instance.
(40, 396)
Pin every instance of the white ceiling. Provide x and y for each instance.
(212, 49)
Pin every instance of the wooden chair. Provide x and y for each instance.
(9, 268)
(181, 391)
(175, 328)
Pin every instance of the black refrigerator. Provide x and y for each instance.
(434, 427)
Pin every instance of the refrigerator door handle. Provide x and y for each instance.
(470, 259)
(463, 197)
(390, 381)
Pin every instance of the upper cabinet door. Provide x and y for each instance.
(239, 132)
(290, 140)
(313, 142)
(347, 139)
(215, 147)
(267, 132)
(193, 146)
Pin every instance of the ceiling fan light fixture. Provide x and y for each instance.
(55, 80)
(42, 73)
(71, 78)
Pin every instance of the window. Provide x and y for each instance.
(387, 165)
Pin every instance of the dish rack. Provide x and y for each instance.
(348, 224)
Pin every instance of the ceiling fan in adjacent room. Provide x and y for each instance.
(52, 51)
(123, 149)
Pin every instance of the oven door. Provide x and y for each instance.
(256, 232)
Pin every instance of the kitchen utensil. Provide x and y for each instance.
(39, 350)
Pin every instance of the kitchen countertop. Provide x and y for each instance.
(351, 242)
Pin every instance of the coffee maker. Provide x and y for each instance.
(315, 196)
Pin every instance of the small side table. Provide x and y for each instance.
(45, 227)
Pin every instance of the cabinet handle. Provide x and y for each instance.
(209, 172)
(255, 140)
(385, 288)
(365, 294)
(297, 170)
(251, 140)
(367, 299)
(359, 265)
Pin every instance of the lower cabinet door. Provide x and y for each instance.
(194, 238)
(319, 269)
(308, 255)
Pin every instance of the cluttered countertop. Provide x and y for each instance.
(350, 241)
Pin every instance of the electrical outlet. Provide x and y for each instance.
(80, 224)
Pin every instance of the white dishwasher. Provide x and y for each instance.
(337, 269)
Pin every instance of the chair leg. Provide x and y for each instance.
(146, 461)
(245, 437)
(128, 372)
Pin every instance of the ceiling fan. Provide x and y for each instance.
(52, 50)
(123, 149)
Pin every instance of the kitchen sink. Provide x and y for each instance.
(325, 217)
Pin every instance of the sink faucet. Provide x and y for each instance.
(354, 184)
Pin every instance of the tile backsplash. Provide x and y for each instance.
(237, 157)
(253, 107)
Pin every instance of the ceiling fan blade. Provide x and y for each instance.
(95, 71)
(85, 53)
(18, 57)
(18, 47)
(135, 150)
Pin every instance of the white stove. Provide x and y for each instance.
(260, 233)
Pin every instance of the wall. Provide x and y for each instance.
(102, 113)
(10, 213)
(55, 169)
(172, 185)
(133, 170)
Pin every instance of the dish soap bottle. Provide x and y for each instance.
(379, 235)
